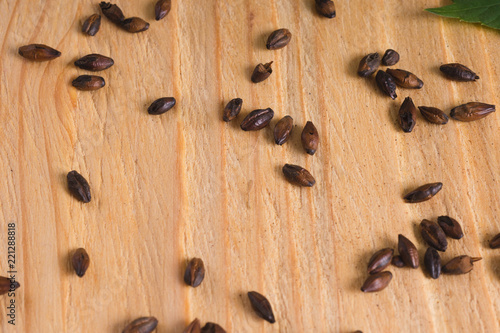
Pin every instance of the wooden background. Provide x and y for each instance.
(167, 188)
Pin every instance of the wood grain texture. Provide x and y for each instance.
(185, 184)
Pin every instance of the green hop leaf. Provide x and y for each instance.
(486, 12)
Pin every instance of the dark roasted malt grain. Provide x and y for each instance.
(310, 138)
(141, 325)
(135, 24)
(433, 235)
(326, 8)
(458, 72)
(380, 260)
(471, 111)
(78, 186)
(495, 242)
(91, 25)
(261, 72)
(283, 130)
(369, 64)
(212, 328)
(390, 58)
(257, 119)
(450, 227)
(376, 282)
(407, 115)
(405, 79)
(162, 8)
(232, 109)
(193, 327)
(261, 306)
(433, 115)
(80, 262)
(432, 262)
(88, 82)
(460, 265)
(7, 285)
(195, 272)
(398, 261)
(38, 52)
(94, 62)
(408, 252)
(423, 193)
(161, 105)
(112, 12)
(278, 39)
(298, 175)
(386, 84)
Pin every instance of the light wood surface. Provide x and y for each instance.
(185, 184)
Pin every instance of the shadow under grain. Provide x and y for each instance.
(487, 239)
(261, 40)
(352, 67)
(248, 71)
(362, 269)
(393, 115)
(416, 234)
(246, 306)
(278, 169)
(235, 123)
(149, 12)
(494, 263)
(295, 139)
(119, 326)
(311, 7)
(183, 263)
(63, 178)
(67, 263)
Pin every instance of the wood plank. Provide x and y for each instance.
(185, 184)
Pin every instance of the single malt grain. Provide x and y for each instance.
(433, 235)
(283, 130)
(408, 252)
(38, 52)
(326, 8)
(376, 282)
(386, 84)
(471, 111)
(80, 262)
(94, 62)
(433, 115)
(257, 119)
(460, 265)
(423, 193)
(310, 138)
(450, 227)
(261, 72)
(390, 58)
(405, 79)
(195, 272)
(261, 306)
(432, 263)
(458, 72)
(369, 64)
(91, 25)
(161, 105)
(232, 109)
(162, 8)
(407, 115)
(112, 12)
(88, 82)
(78, 186)
(380, 260)
(298, 175)
(141, 325)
